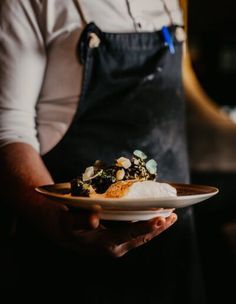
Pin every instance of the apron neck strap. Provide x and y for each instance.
(81, 13)
(168, 12)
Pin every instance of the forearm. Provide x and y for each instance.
(22, 169)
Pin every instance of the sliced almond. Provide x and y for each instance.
(123, 162)
(120, 174)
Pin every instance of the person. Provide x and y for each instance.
(82, 81)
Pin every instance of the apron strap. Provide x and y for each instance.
(81, 13)
(90, 38)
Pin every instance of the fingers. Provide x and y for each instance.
(119, 240)
(142, 233)
(170, 220)
(131, 231)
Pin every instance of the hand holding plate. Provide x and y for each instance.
(117, 241)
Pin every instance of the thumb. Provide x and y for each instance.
(76, 218)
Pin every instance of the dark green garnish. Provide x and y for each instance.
(79, 188)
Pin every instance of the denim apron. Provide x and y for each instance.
(132, 98)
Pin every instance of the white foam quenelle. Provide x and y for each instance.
(150, 189)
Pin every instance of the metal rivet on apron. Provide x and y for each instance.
(94, 41)
(180, 34)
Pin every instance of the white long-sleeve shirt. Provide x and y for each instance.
(40, 76)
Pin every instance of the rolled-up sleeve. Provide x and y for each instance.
(22, 68)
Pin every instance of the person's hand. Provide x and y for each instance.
(117, 240)
(55, 220)
(82, 231)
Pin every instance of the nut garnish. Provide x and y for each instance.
(89, 172)
(123, 162)
(120, 174)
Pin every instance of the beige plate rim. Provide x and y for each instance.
(188, 194)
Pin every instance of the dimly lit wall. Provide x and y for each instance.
(212, 40)
(212, 146)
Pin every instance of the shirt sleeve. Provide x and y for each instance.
(22, 67)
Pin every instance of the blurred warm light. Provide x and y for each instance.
(203, 106)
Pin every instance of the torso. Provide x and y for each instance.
(61, 27)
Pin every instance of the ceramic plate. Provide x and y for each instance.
(131, 209)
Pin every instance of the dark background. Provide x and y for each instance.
(212, 42)
(212, 38)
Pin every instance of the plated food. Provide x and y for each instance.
(127, 190)
(133, 177)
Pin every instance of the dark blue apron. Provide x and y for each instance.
(132, 98)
